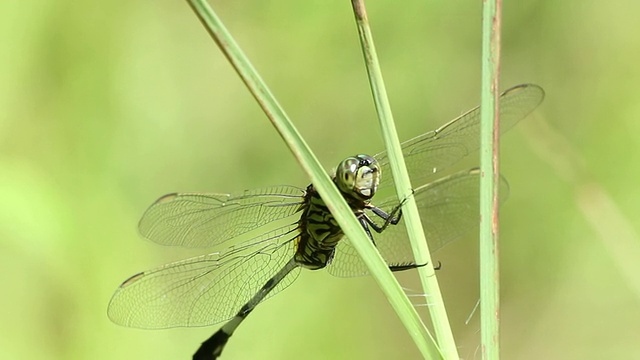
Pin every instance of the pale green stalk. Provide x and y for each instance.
(410, 214)
(489, 182)
(336, 203)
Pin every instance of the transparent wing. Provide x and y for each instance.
(207, 289)
(449, 210)
(205, 220)
(430, 153)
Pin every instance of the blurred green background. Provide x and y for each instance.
(107, 105)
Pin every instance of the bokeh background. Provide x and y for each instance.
(107, 105)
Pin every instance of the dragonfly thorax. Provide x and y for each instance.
(358, 177)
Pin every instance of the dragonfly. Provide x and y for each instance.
(266, 236)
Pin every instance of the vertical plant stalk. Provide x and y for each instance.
(330, 194)
(489, 181)
(404, 190)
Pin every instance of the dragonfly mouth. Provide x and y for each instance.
(367, 181)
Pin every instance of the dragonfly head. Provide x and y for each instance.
(358, 176)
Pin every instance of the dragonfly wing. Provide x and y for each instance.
(428, 154)
(205, 220)
(207, 289)
(449, 210)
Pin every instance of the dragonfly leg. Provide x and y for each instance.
(403, 267)
(389, 218)
(392, 218)
(409, 266)
(365, 221)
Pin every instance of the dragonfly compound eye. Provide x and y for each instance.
(346, 174)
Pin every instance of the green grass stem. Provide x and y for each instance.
(330, 194)
(419, 246)
(489, 182)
